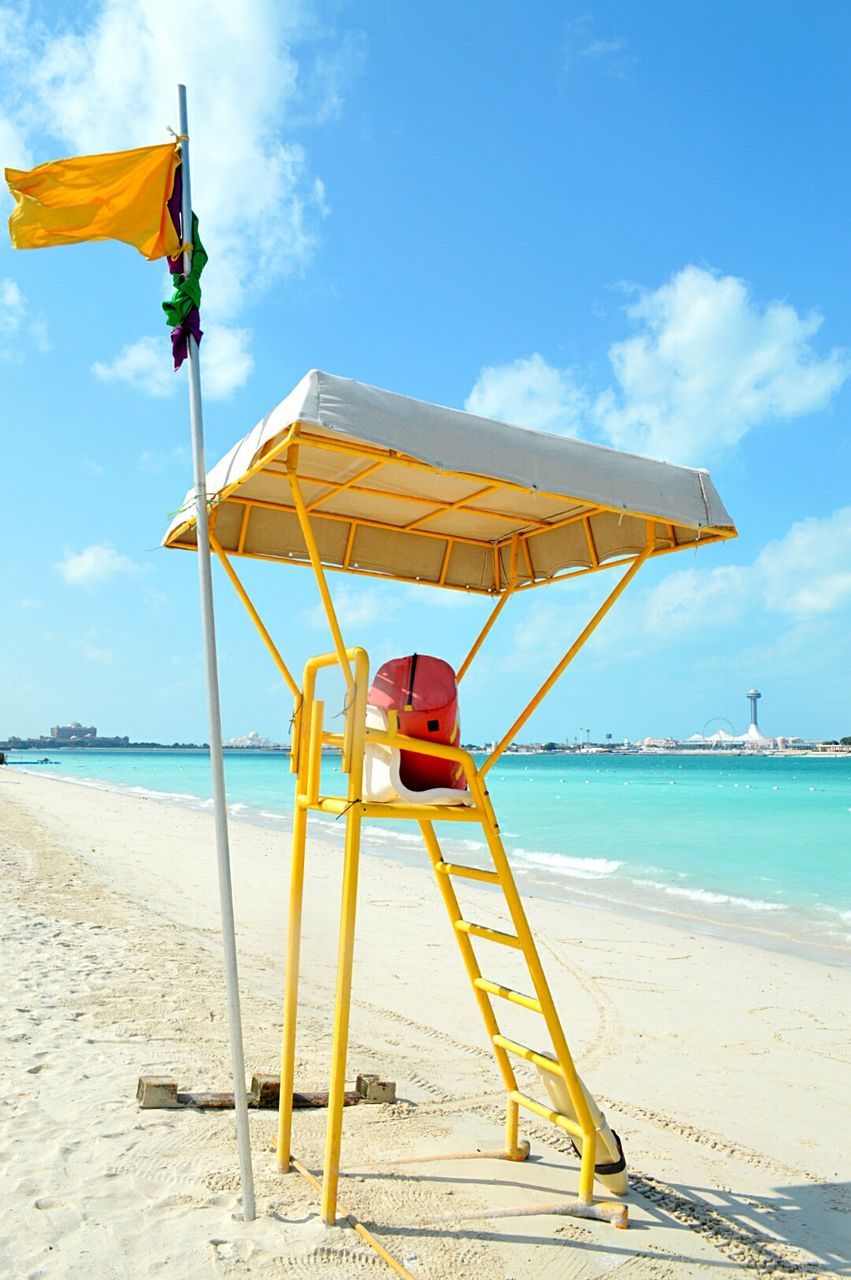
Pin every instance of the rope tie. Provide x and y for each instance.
(347, 705)
(343, 812)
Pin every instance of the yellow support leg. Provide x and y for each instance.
(255, 617)
(345, 953)
(319, 575)
(290, 1017)
(512, 1119)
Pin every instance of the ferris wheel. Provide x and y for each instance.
(715, 723)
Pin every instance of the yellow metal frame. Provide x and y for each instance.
(309, 738)
(281, 460)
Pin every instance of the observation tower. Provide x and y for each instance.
(753, 696)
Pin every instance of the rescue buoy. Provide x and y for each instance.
(423, 692)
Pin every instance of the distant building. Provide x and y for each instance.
(254, 740)
(73, 732)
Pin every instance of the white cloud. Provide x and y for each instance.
(11, 306)
(99, 655)
(355, 607)
(151, 463)
(610, 52)
(697, 599)
(143, 364)
(539, 638)
(13, 146)
(330, 73)
(95, 564)
(603, 48)
(708, 364)
(16, 323)
(38, 333)
(805, 575)
(226, 362)
(108, 83)
(529, 392)
(808, 571)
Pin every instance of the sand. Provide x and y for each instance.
(723, 1066)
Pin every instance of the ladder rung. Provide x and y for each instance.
(554, 1117)
(491, 935)
(523, 1051)
(506, 993)
(469, 873)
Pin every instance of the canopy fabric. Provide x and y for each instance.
(400, 488)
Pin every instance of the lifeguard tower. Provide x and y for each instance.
(345, 477)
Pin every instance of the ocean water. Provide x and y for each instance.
(760, 844)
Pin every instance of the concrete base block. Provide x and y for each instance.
(156, 1092)
(265, 1091)
(373, 1089)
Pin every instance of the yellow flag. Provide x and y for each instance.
(119, 196)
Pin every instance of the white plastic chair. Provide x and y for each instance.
(382, 782)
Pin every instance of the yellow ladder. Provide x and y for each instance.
(575, 1111)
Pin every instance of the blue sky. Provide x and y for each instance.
(625, 222)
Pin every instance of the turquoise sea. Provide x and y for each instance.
(760, 844)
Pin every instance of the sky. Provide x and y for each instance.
(624, 222)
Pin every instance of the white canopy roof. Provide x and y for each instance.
(753, 734)
(401, 488)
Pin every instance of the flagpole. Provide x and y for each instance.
(214, 715)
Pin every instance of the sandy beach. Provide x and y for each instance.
(723, 1066)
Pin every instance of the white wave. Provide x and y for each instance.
(183, 798)
(713, 898)
(580, 868)
(391, 837)
(124, 789)
(148, 792)
(375, 833)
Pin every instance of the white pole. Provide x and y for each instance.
(214, 716)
